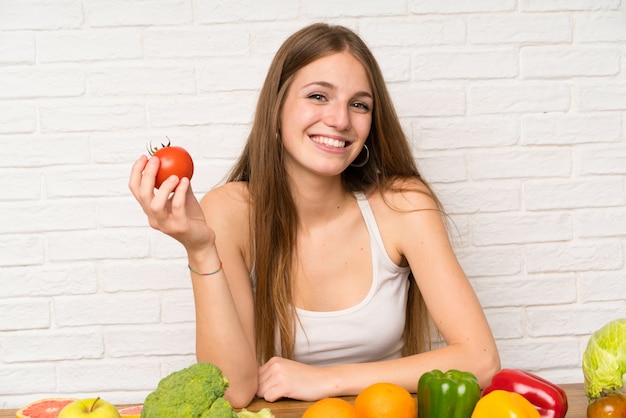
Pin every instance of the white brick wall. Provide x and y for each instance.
(516, 110)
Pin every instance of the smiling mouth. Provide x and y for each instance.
(330, 142)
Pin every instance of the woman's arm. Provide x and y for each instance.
(414, 231)
(212, 233)
(420, 238)
(449, 297)
(224, 301)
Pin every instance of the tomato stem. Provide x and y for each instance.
(152, 150)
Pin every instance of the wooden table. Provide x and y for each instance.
(294, 409)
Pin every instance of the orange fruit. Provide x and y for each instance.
(385, 400)
(330, 408)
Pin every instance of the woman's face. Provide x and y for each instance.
(327, 115)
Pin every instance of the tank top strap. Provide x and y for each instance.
(370, 221)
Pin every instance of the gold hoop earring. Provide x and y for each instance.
(367, 158)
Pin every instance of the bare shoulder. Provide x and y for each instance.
(230, 198)
(404, 196)
(406, 211)
(226, 209)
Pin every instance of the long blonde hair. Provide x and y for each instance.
(273, 213)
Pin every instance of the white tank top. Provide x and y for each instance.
(368, 331)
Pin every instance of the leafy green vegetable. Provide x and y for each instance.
(263, 413)
(604, 360)
(219, 409)
(194, 392)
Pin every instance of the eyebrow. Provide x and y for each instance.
(333, 87)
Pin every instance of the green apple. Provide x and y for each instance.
(89, 408)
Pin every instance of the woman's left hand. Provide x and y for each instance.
(283, 378)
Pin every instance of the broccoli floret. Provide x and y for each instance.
(189, 393)
(220, 409)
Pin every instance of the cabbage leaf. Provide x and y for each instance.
(604, 360)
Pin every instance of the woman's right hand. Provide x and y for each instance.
(172, 209)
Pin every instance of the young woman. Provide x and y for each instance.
(318, 267)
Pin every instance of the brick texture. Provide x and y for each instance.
(516, 111)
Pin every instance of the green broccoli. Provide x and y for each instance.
(194, 392)
(220, 409)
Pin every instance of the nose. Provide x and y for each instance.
(338, 116)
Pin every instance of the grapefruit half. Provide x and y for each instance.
(131, 411)
(44, 408)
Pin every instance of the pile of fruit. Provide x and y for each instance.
(74, 408)
(198, 390)
(380, 400)
(512, 393)
(194, 392)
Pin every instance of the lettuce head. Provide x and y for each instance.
(604, 360)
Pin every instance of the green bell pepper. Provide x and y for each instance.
(452, 394)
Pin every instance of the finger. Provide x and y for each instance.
(263, 391)
(180, 197)
(272, 394)
(135, 174)
(162, 197)
(259, 391)
(149, 176)
(261, 381)
(264, 369)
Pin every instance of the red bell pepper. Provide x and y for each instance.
(549, 399)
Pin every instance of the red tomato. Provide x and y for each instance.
(174, 161)
(612, 405)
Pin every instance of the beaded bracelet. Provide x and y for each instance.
(206, 274)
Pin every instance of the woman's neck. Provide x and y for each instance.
(319, 200)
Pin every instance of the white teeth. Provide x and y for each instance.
(329, 141)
